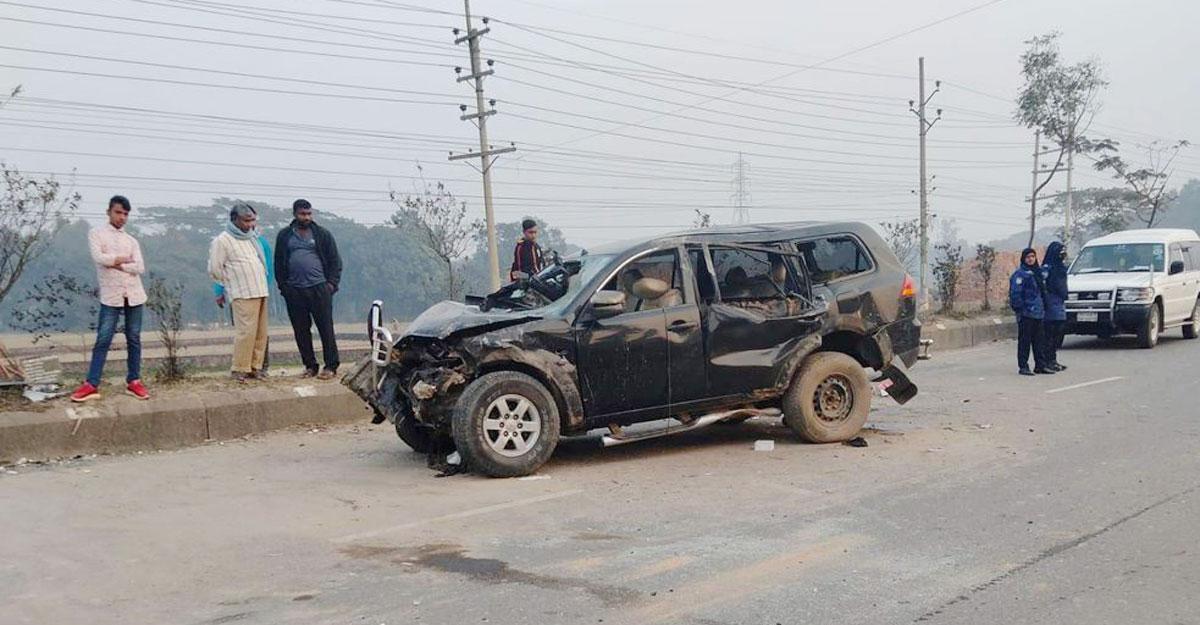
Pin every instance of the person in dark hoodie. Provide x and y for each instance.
(1026, 297)
(1054, 275)
(308, 269)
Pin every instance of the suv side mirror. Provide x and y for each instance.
(607, 304)
(1176, 267)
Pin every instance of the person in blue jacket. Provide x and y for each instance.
(1025, 296)
(1054, 276)
(219, 292)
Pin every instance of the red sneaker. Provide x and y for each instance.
(137, 389)
(85, 392)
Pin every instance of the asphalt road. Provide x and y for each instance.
(991, 499)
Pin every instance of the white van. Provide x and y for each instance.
(1136, 282)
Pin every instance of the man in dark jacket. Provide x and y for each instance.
(308, 270)
(1054, 275)
(527, 256)
(1025, 296)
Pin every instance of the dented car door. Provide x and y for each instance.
(758, 325)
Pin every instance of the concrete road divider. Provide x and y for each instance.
(173, 419)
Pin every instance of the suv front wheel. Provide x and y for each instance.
(1148, 333)
(829, 399)
(505, 424)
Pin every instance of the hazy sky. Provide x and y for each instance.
(614, 138)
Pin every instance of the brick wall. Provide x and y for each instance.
(970, 287)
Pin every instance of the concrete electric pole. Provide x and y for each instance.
(486, 154)
(923, 125)
(1067, 207)
(741, 191)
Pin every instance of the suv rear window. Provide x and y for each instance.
(833, 257)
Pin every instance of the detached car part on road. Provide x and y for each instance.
(712, 325)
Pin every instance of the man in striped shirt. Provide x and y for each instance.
(237, 261)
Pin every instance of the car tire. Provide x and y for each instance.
(1190, 329)
(1151, 328)
(505, 424)
(829, 398)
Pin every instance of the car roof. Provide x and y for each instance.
(1147, 235)
(745, 233)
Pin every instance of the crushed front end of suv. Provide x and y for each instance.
(712, 325)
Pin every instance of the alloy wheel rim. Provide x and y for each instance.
(511, 425)
(833, 399)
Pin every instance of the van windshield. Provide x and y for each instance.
(1118, 258)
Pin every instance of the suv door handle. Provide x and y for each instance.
(681, 326)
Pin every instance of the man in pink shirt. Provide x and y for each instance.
(119, 268)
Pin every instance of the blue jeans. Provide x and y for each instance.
(105, 330)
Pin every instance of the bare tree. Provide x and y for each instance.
(1059, 100)
(985, 264)
(439, 221)
(903, 236)
(165, 301)
(702, 220)
(31, 213)
(1148, 183)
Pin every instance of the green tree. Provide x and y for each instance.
(163, 299)
(1096, 211)
(1058, 100)
(985, 264)
(946, 271)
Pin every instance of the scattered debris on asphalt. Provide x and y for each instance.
(935, 450)
(857, 441)
(764, 445)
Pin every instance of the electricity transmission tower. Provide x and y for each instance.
(741, 191)
(923, 125)
(487, 153)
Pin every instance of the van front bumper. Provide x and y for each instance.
(1121, 319)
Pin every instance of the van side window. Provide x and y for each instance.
(833, 257)
(706, 287)
(1191, 255)
(1176, 256)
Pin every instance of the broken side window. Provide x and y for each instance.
(833, 257)
(706, 285)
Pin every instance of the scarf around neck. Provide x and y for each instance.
(252, 235)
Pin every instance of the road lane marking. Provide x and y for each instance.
(1083, 384)
(508, 505)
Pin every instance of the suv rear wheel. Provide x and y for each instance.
(829, 399)
(1148, 333)
(505, 424)
(1190, 328)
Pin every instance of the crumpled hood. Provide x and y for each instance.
(447, 318)
(1108, 281)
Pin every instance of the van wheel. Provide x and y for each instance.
(1190, 328)
(505, 424)
(829, 399)
(1148, 333)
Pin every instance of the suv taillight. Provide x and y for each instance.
(909, 289)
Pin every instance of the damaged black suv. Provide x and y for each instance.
(711, 325)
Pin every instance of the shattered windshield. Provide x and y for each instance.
(1123, 257)
(552, 288)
